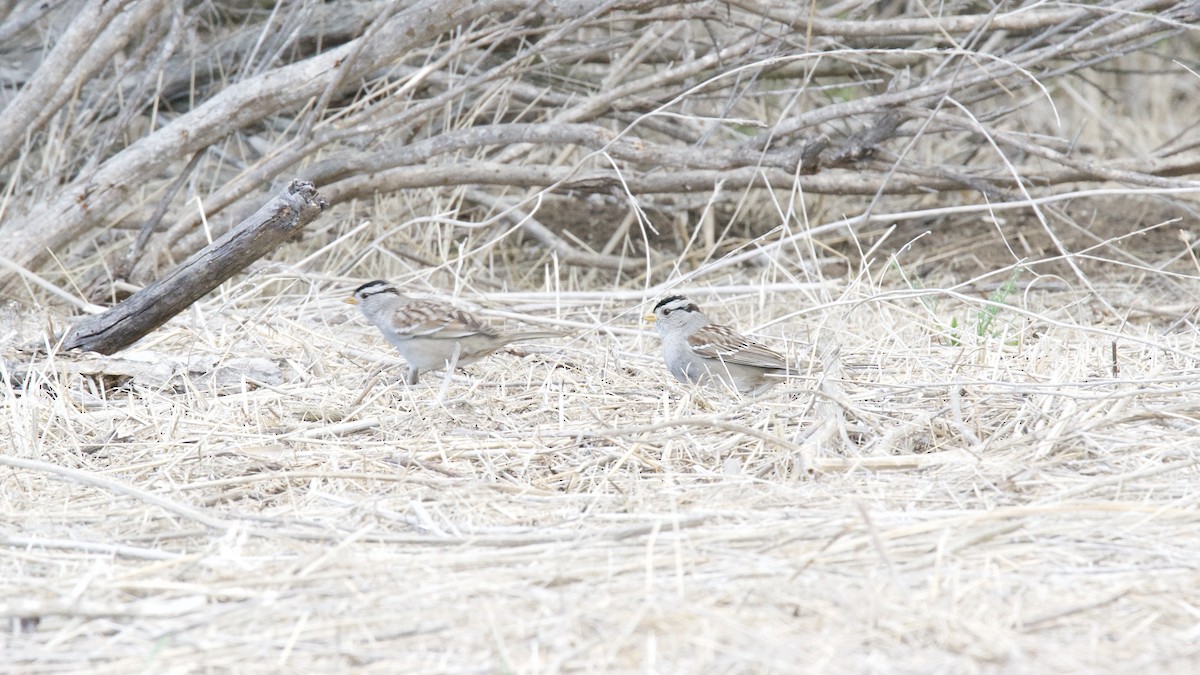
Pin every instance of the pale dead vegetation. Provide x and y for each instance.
(574, 509)
(985, 459)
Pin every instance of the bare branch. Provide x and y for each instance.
(628, 97)
(528, 224)
(80, 206)
(151, 307)
(78, 55)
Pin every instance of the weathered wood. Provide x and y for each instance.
(90, 198)
(126, 323)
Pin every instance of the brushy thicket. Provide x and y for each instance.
(967, 224)
(149, 125)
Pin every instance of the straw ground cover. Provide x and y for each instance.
(917, 497)
(985, 458)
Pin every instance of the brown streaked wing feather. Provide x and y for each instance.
(438, 319)
(715, 341)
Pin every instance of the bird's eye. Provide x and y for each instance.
(666, 312)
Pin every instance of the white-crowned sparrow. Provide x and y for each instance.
(698, 351)
(428, 333)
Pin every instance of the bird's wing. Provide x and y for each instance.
(432, 318)
(723, 343)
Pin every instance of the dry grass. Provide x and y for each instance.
(956, 479)
(918, 498)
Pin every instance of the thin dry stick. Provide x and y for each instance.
(93, 480)
(152, 223)
(81, 305)
(1117, 480)
(134, 552)
(528, 224)
(76, 608)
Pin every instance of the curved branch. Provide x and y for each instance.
(530, 225)
(84, 49)
(568, 178)
(1020, 21)
(91, 197)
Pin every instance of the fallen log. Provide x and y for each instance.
(276, 222)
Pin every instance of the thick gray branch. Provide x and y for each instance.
(567, 178)
(627, 148)
(92, 197)
(151, 307)
(63, 70)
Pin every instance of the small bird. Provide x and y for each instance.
(431, 334)
(698, 351)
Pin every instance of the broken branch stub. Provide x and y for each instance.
(126, 323)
